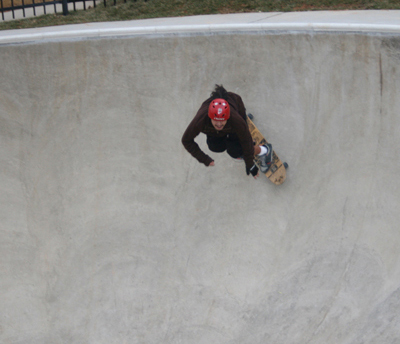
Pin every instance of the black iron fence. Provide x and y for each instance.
(43, 4)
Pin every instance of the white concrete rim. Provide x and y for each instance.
(15, 37)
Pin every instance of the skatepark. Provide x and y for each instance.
(112, 233)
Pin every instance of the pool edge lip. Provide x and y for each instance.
(360, 21)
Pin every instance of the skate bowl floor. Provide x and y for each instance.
(112, 233)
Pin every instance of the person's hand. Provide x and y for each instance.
(253, 170)
(212, 163)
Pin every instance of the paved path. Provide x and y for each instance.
(113, 233)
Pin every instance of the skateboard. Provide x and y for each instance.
(277, 170)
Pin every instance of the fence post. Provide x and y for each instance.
(65, 7)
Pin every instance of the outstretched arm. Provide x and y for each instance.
(192, 131)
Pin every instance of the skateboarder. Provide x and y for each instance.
(222, 117)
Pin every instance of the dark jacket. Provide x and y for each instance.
(237, 124)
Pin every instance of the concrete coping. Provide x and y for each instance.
(341, 21)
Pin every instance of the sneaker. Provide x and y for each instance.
(266, 159)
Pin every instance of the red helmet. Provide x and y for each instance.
(219, 110)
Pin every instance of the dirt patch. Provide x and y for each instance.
(8, 3)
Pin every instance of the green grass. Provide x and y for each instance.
(141, 9)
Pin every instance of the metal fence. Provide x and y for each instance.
(43, 4)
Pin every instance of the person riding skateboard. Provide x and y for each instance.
(222, 118)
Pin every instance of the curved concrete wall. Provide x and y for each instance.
(112, 233)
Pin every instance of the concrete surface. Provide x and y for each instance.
(112, 233)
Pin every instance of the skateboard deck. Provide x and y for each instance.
(277, 170)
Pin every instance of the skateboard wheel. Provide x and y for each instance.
(250, 116)
(286, 165)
